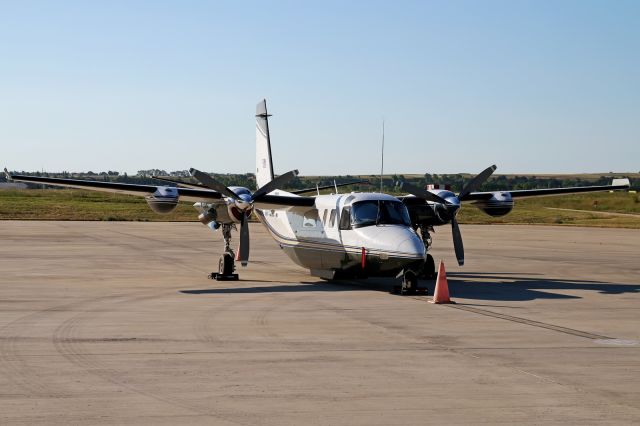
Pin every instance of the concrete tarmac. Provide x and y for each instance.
(116, 323)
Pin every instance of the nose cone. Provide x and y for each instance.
(394, 240)
(412, 246)
(390, 248)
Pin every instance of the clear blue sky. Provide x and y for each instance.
(532, 86)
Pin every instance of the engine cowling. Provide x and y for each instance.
(498, 205)
(164, 200)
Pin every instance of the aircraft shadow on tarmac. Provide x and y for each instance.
(468, 285)
(523, 287)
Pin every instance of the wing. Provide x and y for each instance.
(180, 183)
(267, 202)
(525, 193)
(186, 194)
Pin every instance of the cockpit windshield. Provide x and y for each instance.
(379, 212)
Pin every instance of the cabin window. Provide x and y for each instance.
(332, 218)
(345, 218)
(310, 219)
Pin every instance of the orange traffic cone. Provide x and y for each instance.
(441, 292)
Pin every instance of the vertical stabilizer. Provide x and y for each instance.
(264, 163)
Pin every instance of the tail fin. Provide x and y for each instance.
(264, 163)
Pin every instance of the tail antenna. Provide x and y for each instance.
(382, 157)
(335, 185)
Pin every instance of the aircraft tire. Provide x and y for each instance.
(409, 282)
(225, 267)
(429, 268)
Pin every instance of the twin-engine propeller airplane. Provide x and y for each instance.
(334, 236)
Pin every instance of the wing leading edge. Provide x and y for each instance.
(617, 184)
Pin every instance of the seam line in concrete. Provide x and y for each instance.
(533, 323)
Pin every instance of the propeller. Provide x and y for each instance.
(244, 202)
(475, 183)
(274, 184)
(422, 193)
(457, 241)
(448, 208)
(243, 250)
(210, 182)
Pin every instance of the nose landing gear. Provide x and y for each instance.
(226, 264)
(409, 284)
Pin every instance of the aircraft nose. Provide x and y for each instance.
(412, 245)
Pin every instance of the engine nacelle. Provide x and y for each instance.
(164, 200)
(498, 205)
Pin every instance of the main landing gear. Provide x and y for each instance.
(226, 265)
(428, 270)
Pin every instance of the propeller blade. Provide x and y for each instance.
(475, 183)
(212, 183)
(275, 184)
(457, 241)
(243, 254)
(422, 193)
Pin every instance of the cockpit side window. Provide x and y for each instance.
(345, 218)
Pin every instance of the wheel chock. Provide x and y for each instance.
(220, 277)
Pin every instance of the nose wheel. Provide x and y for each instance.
(226, 266)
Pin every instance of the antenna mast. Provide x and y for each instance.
(382, 157)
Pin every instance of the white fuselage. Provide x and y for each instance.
(316, 238)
